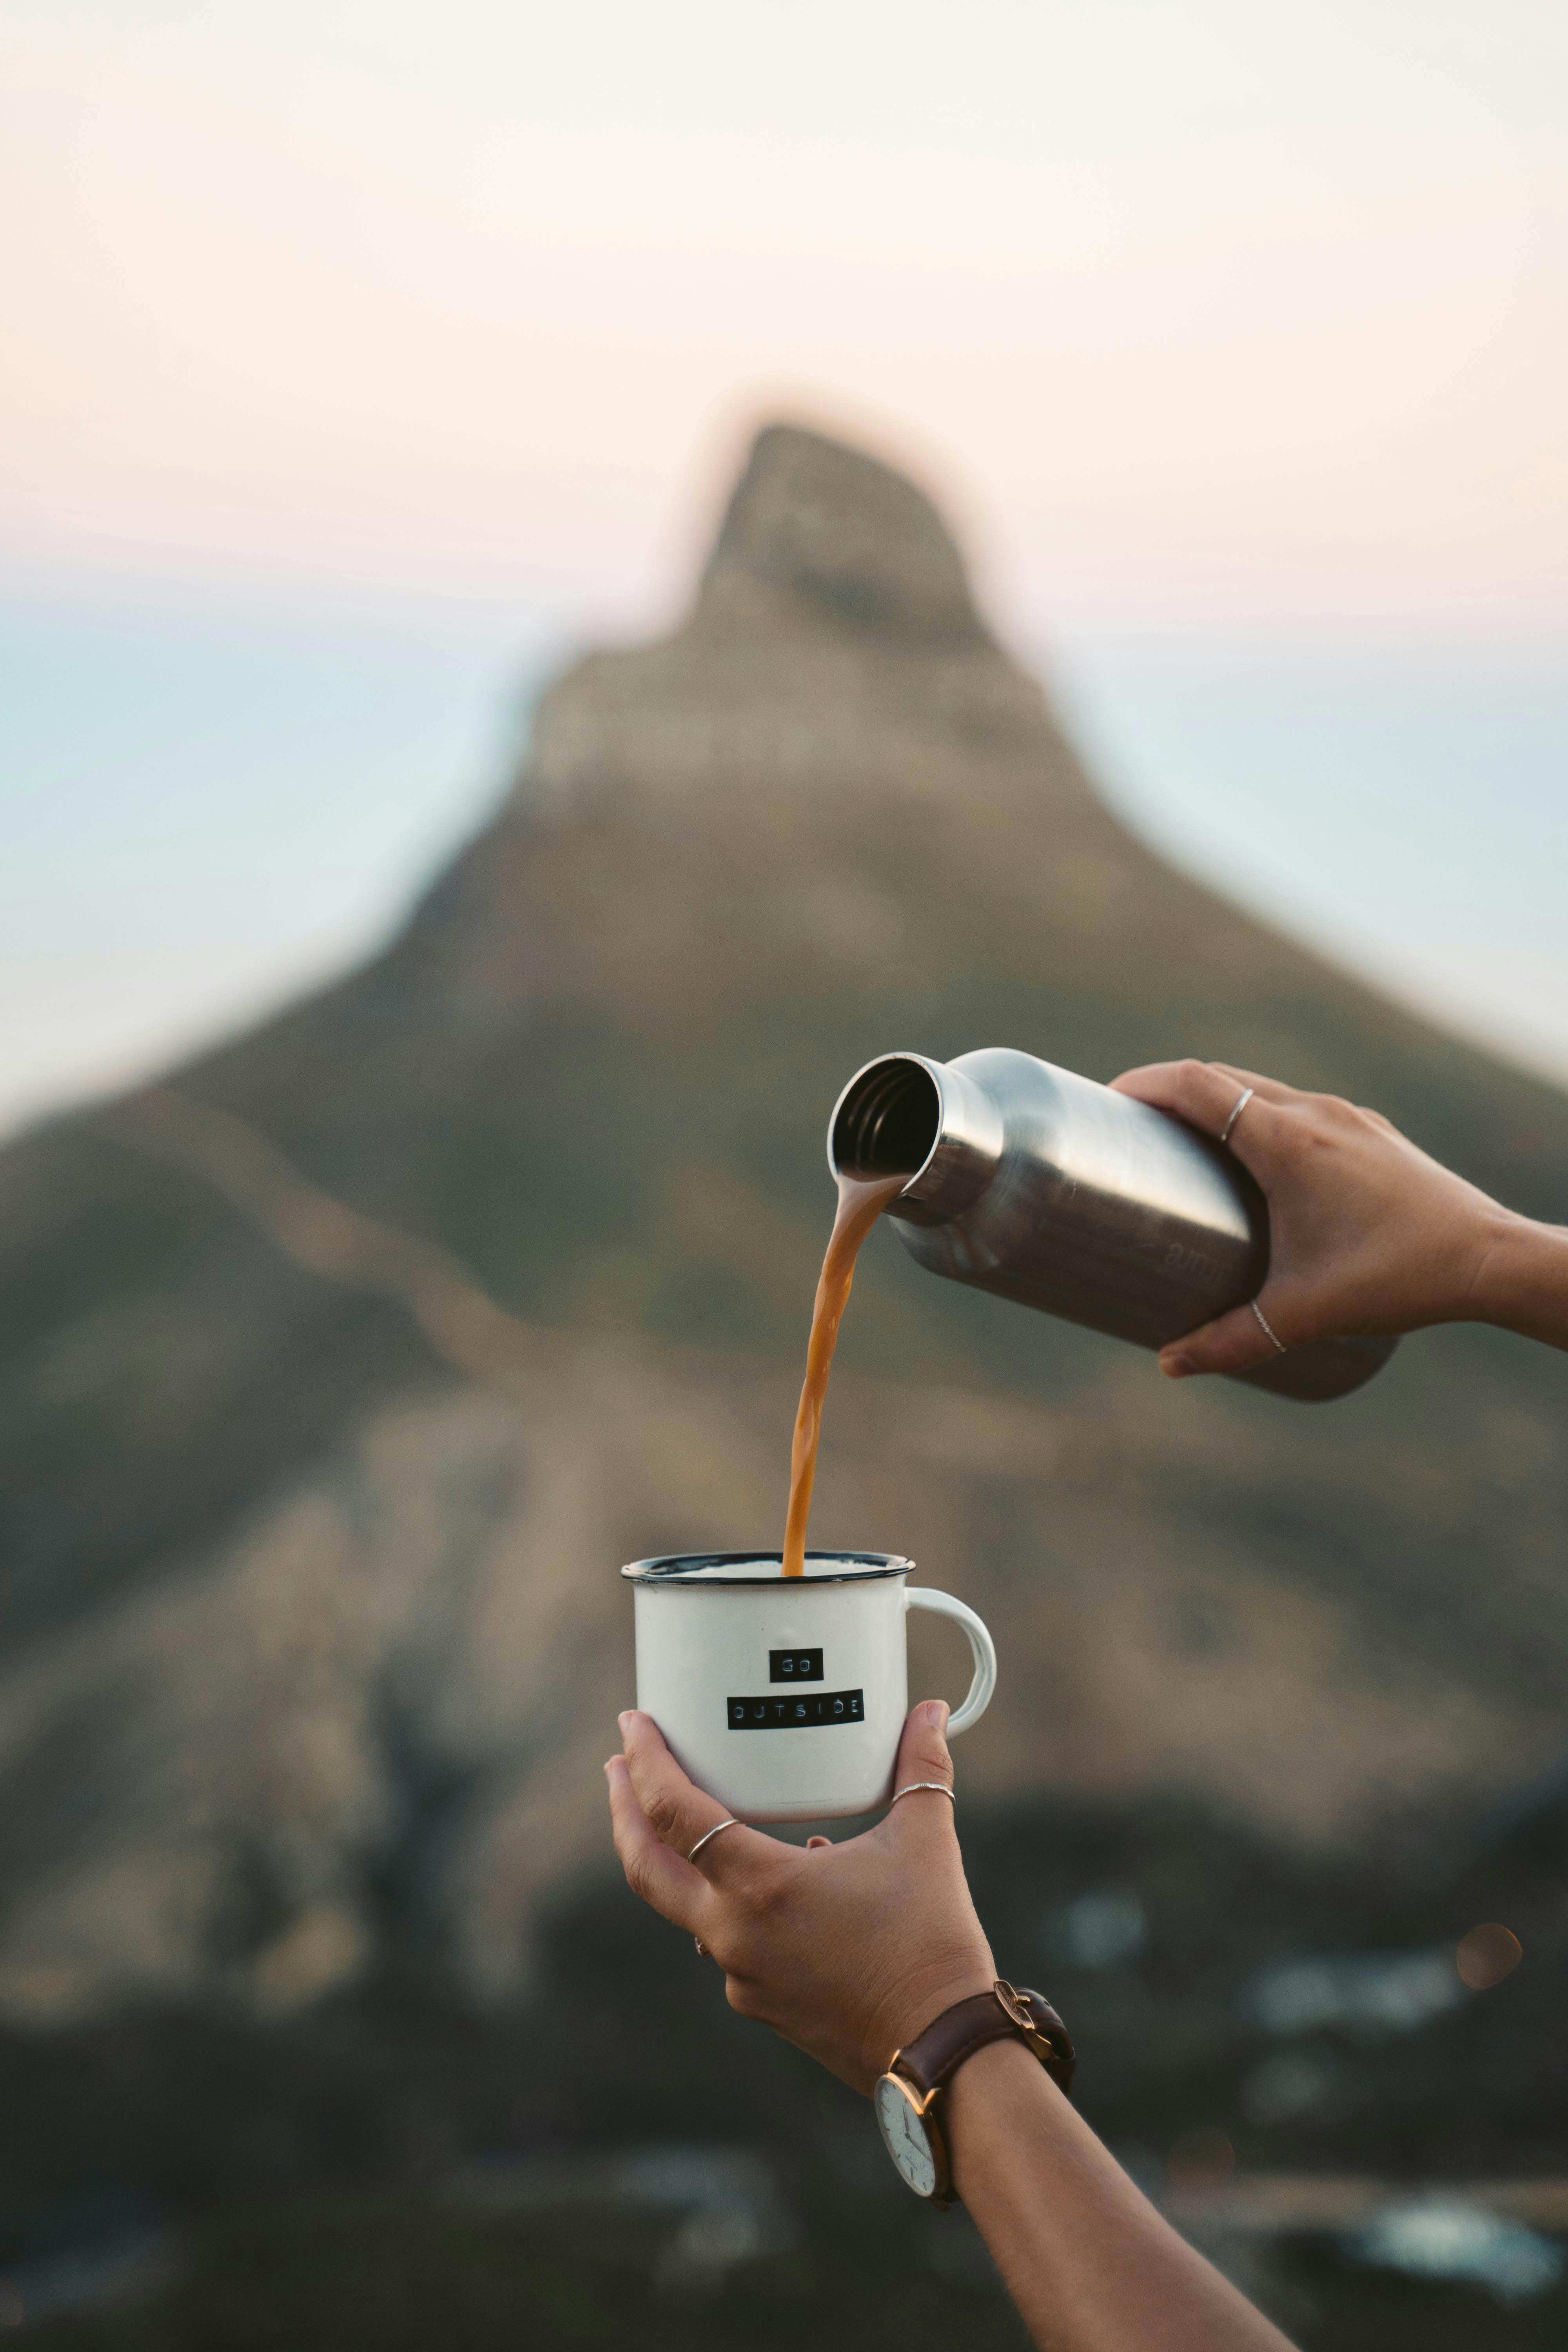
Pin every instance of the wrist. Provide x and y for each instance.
(917, 2004)
(1521, 1281)
(1003, 2073)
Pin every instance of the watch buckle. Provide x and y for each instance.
(1012, 2005)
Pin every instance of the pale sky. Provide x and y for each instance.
(353, 350)
(1229, 317)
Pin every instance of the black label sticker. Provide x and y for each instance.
(794, 1665)
(797, 1713)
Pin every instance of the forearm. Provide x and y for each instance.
(1522, 1282)
(1090, 2264)
(818, 1941)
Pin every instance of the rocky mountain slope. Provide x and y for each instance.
(338, 1375)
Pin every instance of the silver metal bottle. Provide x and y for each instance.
(1048, 1189)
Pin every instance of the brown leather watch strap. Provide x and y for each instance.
(933, 2057)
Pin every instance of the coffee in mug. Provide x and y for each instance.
(785, 1696)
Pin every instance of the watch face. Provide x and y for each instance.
(905, 2136)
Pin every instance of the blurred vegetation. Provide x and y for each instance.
(394, 2168)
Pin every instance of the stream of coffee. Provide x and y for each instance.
(862, 1200)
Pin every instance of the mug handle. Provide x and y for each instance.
(942, 1604)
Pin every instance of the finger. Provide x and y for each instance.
(1198, 1092)
(676, 1810)
(813, 1843)
(1203, 1093)
(675, 1888)
(1236, 1342)
(924, 1756)
(1266, 1089)
(1221, 1103)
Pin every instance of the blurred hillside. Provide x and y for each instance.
(340, 1373)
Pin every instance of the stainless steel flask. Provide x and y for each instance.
(1048, 1189)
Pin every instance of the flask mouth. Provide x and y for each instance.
(905, 1112)
(888, 1119)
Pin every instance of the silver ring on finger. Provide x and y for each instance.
(910, 1786)
(1268, 1328)
(730, 1824)
(701, 1947)
(1242, 1099)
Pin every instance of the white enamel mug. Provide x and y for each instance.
(784, 1697)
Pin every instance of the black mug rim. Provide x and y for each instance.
(683, 1569)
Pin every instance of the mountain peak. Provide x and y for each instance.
(834, 527)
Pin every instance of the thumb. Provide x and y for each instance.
(924, 1756)
(1232, 1343)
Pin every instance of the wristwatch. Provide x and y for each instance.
(909, 2097)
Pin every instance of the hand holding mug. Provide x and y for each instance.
(847, 1951)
